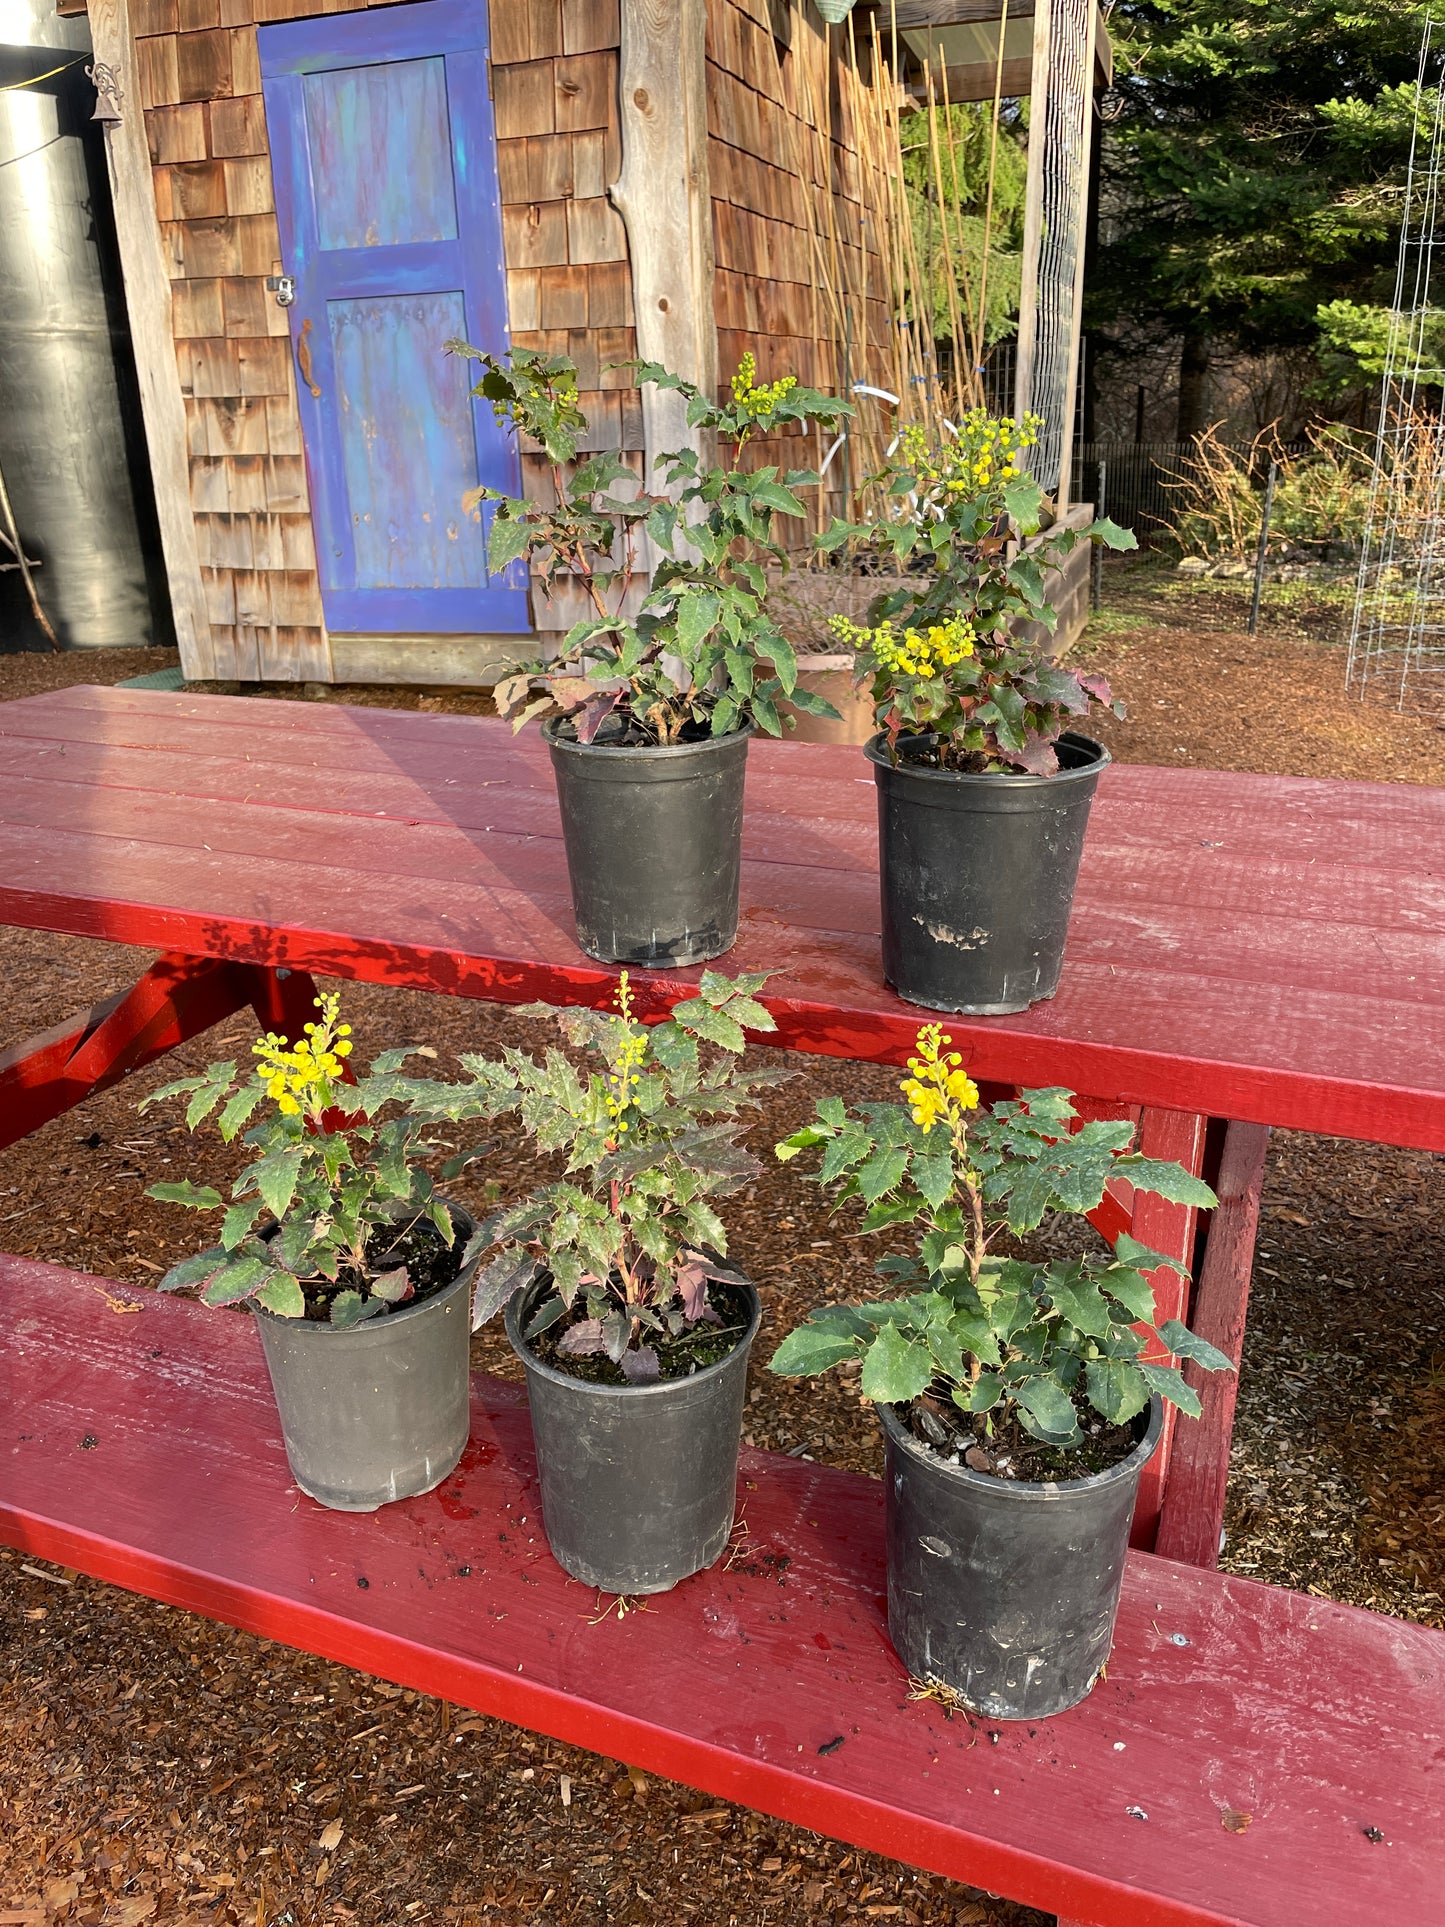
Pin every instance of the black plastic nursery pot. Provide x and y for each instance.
(378, 1411)
(978, 876)
(1006, 1591)
(654, 845)
(639, 1482)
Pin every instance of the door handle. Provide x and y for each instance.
(303, 358)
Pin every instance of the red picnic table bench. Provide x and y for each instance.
(1245, 951)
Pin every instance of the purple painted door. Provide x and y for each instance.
(386, 192)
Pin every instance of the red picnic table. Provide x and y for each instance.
(1245, 951)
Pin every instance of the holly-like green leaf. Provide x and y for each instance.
(715, 1026)
(239, 1108)
(697, 616)
(1110, 534)
(1079, 1301)
(1187, 1344)
(275, 1178)
(934, 1178)
(881, 1172)
(237, 1223)
(193, 1270)
(1116, 1388)
(1131, 1289)
(982, 1395)
(1166, 1180)
(1047, 1410)
(895, 1369)
(350, 1308)
(1169, 1383)
(781, 654)
(1130, 1252)
(237, 1280)
(509, 537)
(200, 1197)
(283, 1295)
(1024, 500)
(813, 1347)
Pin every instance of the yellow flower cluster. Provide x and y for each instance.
(937, 1087)
(301, 1078)
(759, 398)
(987, 451)
(623, 1076)
(910, 652)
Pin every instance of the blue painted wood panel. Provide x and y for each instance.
(396, 115)
(384, 158)
(386, 345)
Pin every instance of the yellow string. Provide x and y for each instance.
(14, 86)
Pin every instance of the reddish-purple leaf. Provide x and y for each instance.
(594, 713)
(394, 1286)
(1037, 757)
(641, 1366)
(583, 1337)
(1097, 687)
(692, 1285)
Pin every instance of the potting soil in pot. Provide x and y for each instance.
(695, 1347)
(431, 1264)
(1007, 1451)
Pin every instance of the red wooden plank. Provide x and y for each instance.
(1145, 808)
(1167, 1228)
(178, 998)
(1156, 1037)
(1303, 1059)
(1318, 1721)
(1221, 1005)
(1193, 1506)
(1134, 905)
(1374, 812)
(1377, 949)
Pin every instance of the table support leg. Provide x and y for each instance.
(1193, 1508)
(1170, 1229)
(177, 999)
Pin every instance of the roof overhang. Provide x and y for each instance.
(958, 40)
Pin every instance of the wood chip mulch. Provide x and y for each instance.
(155, 1767)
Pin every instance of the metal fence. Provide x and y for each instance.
(1128, 481)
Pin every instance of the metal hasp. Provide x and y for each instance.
(71, 445)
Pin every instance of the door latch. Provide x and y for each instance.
(283, 286)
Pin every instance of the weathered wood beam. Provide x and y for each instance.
(148, 309)
(949, 13)
(974, 80)
(664, 199)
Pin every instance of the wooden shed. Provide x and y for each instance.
(310, 201)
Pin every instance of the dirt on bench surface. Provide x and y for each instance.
(155, 1767)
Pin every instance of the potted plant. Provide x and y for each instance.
(649, 704)
(1020, 1400)
(633, 1328)
(350, 1259)
(983, 789)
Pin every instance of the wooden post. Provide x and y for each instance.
(664, 198)
(1071, 390)
(1193, 1509)
(148, 309)
(1033, 215)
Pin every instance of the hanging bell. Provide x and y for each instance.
(107, 94)
(835, 12)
